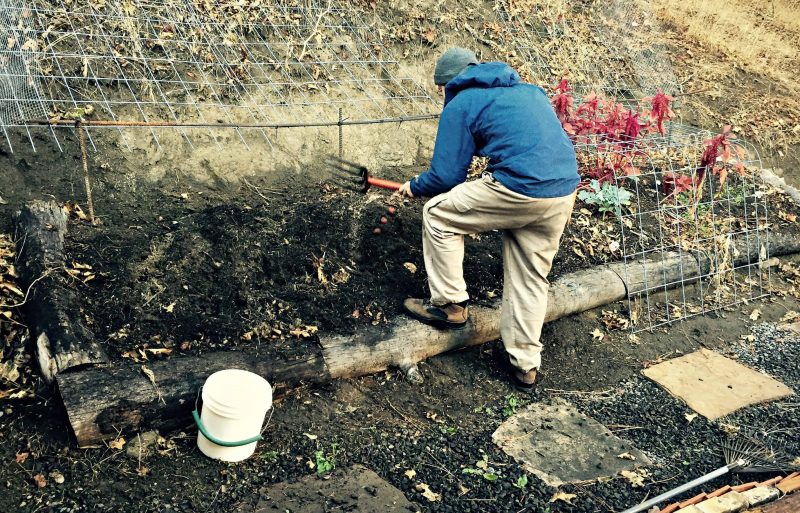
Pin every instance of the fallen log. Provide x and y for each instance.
(99, 407)
(63, 342)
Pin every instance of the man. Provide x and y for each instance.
(529, 195)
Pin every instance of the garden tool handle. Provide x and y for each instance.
(684, 487)
(383, 184)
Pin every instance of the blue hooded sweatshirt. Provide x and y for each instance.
(489, 111)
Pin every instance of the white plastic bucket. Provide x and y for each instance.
(234, 405)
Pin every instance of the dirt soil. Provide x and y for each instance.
(183, 263)
(187, 262)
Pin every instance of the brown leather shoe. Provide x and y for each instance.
(524, 382)
(450, 316)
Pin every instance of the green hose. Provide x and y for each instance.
(211, 438)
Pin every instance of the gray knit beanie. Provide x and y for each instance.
(451, 63)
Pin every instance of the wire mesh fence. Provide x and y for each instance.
(187, 62)
(195, 66)
(705, 228)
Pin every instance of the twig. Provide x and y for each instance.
(255, 189)
(441, 467)
(85, 161)
(313, 31)
(27, 293)
(615, 428)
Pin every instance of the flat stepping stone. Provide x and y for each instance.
(559, 445)
(713, 385)
(354, 488)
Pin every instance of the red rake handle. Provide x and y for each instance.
(383, 184)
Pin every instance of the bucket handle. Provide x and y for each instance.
(211, 438)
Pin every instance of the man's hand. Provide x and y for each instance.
(405, 190)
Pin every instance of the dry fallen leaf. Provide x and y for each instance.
(152, 377)
(755, 314)
(22, 456)
(790, 316)
(161, 351)
(410, 473)
(598, 334)
(40, 481)
(426, 492)
(57, 477)
(563, 496)
(730, 429)
(117, 443)
(410, 267)
(690, 417)
(635, 478)
(626, 456)
(304, 331)
(169, 308)
(150, 374)
(310, 436)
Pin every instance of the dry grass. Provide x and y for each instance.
(757, 34)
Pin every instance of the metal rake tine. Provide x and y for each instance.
(346, 165)
(346, 175)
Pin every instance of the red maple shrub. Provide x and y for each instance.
(562, 103)
(659, 109)
(718, 153)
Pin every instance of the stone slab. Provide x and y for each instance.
(355, 488)
(731, 502)
(560, 445)
(713, 385)
(761, 495)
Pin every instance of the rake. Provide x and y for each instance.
(357, 177)
(743, 455)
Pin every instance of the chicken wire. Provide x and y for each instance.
(714, 236)
(613, 49)
(197, 63)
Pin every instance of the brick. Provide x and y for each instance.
(671, 508)
(725, 489)
(789, 485)
(694, 500)
(744, 487)
(731, 502)
(771, 482)
(761, 495)
(792, 475)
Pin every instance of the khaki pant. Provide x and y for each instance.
(532, 228)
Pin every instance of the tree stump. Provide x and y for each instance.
(63, 342)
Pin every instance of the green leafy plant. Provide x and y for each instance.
(270, 456)
(522, 481)
(607, 197)
(483, 469)
(325, 462)
(448, 430)
(510, 405)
